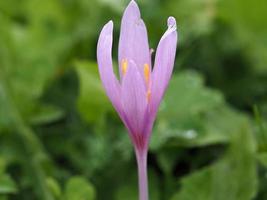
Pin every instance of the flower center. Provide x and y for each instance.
(124, 68)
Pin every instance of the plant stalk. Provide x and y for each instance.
(141, 157)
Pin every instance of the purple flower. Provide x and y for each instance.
(136, 96)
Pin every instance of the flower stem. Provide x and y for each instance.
(141, 157)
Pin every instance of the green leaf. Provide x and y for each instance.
(185, 114)
(54, 187)
(262, 157)
(92, 102)
(248, 19)
(233, 177)
(194, 117)
(195, 17)
(251, 22)
(3, 197)
(187, 94)
(45, 114)
(7, 185)
(79, 188)
(5, 115)
(2, 165)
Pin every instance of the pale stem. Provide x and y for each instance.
(141, 157)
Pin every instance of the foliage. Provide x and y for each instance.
(61, 139)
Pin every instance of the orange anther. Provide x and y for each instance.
(146, 73)
(124, 66)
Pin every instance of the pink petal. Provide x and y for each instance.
(133, 44)
(104, 58)
(134, 99)
(164, 62)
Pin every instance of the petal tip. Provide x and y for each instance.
(133, 3)
(172, 28)
(133, 9)
(108, 27)
(171, 22)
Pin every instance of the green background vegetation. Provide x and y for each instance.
(60, 138)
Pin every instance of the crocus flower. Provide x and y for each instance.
(137, 94)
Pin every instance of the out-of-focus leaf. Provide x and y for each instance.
(167, 160)
(248, 18)
(262, 157)
(78, 188)
(3, 197)
(2, 166)
(117, 5)
(233, 177)
(260, 132)
(101, 150)
(5, 118)
(46, 114)
(195, 17)
(185, 113)
(92, 102)
(54, 187)
(193, 116)
(190, 96)
(253, 21)
(7, 185)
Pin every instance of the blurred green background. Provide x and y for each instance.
(60, 138)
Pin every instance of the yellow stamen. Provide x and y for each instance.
(124, 66)
(148, 95)
(146, 72)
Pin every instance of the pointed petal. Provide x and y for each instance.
(164, 62)
(134, 99)
(104, 59)
(133, 44)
